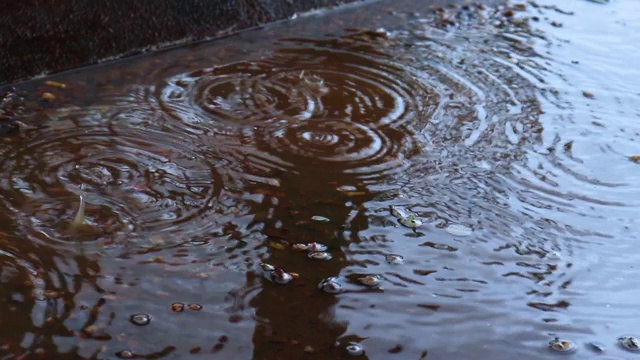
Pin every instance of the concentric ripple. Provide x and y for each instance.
(305, 79)
(132, 180)
(333, 146)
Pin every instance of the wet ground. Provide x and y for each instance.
(507, 134)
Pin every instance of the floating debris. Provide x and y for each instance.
(563, 346)
(300, 247)
(330, 285)
(459, 230)
(320, 218)
(588, 94)
(319, 255)
(394, 259)
(405, 218)
(140, 319)
(370, 280)
(354, 349)
(48, 96)
(630, 343)
(55, 84)
(194, 307)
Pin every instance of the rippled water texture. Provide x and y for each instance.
(505, 135)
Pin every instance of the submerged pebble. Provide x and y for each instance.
(330, 285)
(354, 349)
(561, 345)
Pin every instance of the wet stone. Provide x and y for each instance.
(177, 307)
(140, 319)
(394, 259)
(630, 343)
(370, 280)
(125, 354)
(562, 345)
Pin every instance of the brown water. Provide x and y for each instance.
(509, 136)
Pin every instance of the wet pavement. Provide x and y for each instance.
(469, 169)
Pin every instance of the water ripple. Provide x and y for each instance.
(133, 179)
(302, 79)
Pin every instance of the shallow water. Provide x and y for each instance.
(509, 137)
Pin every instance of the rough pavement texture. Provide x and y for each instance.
(39, 36)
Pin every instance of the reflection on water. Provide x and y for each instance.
(510, 144)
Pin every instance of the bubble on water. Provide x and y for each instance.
(354, 349)
(140, 319)
(319, 255)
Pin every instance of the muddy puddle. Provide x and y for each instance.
(390, 180)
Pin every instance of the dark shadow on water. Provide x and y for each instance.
(297, 319)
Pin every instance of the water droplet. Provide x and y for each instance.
(354, 349)
(140, 319)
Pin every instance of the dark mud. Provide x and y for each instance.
(202, 164)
